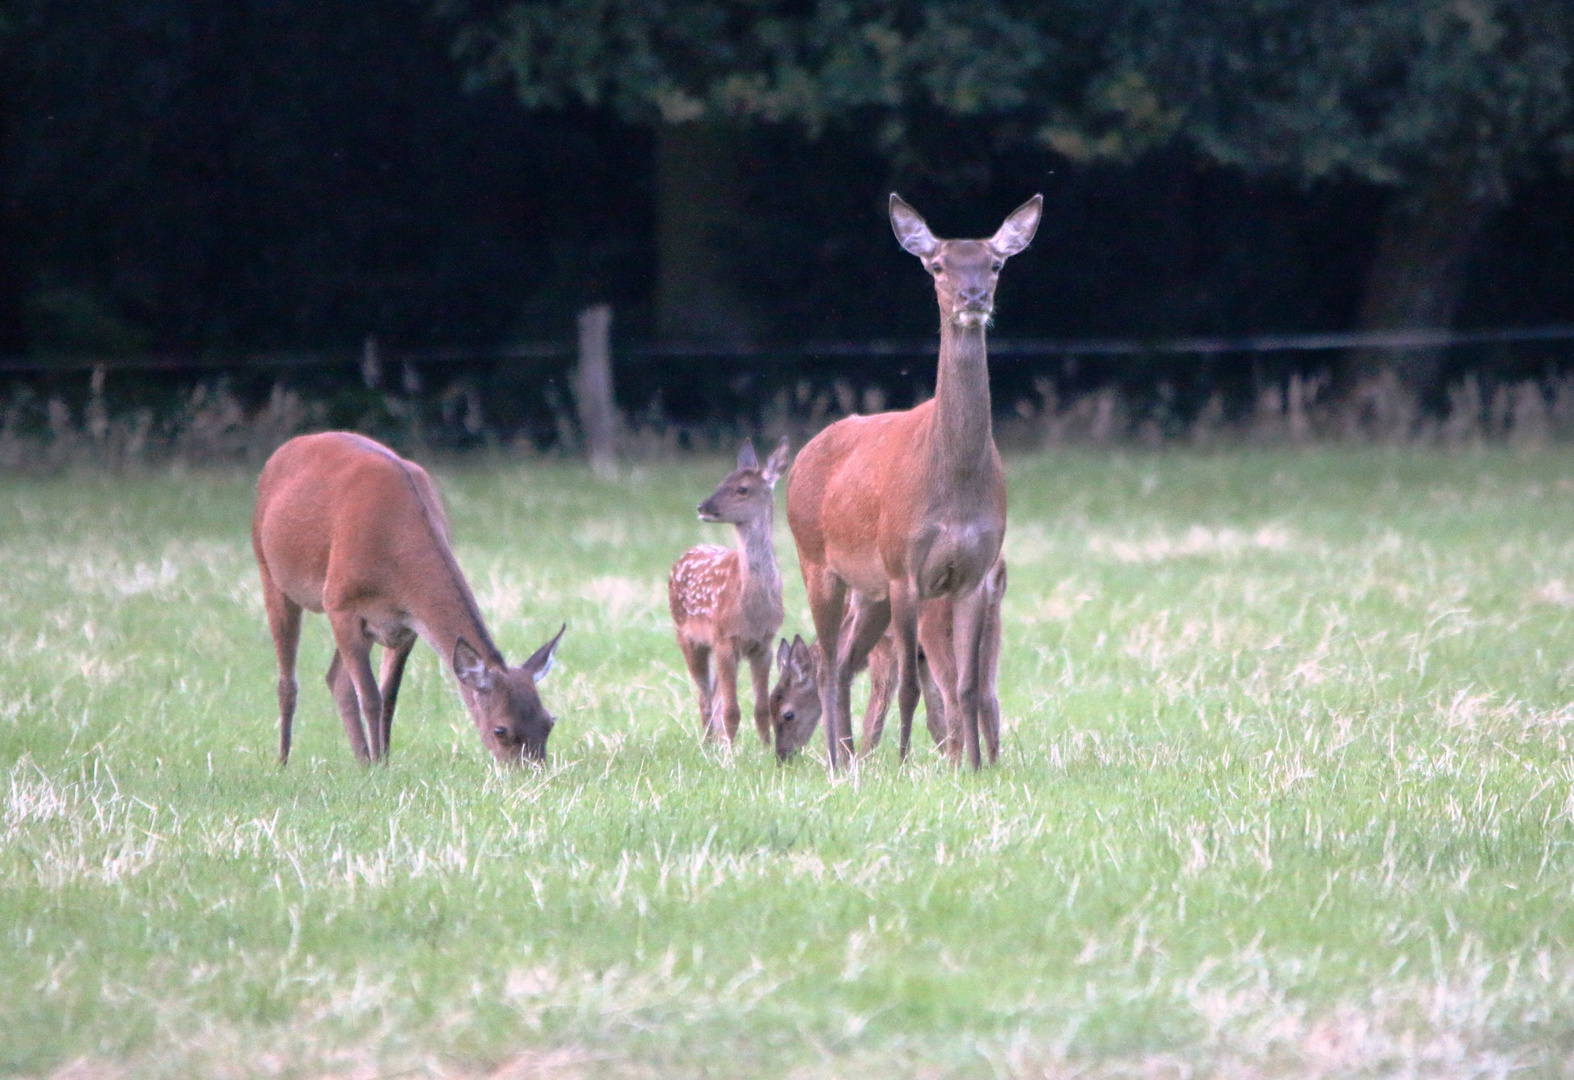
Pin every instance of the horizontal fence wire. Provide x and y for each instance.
(999, 348)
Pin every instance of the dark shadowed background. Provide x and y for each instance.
(217, 181)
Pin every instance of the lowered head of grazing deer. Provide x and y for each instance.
(795, 700)
(965, 271)
(503, 701)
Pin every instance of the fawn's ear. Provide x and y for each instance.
(746, 458)
(911, 232)
(783, 655)
(469, 668)
(1017, 231)
(540, 661)
(802, 657)
(776, 464)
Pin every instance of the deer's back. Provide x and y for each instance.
(339, 508)
(702, 589)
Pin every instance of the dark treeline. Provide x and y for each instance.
(210, 178)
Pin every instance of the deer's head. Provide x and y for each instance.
(746, 493)
(965, 271)
(503, 701)
(795, 701)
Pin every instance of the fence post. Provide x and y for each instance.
(598, 418)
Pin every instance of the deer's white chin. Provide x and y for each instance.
(969, 319)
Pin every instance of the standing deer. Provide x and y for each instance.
(795, 699)
(346, 527)
(727, 602)
(906, 507)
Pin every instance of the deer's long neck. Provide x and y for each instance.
(445, 609)
(762, 583)
(962, 438)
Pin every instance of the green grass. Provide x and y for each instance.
(1286, 790)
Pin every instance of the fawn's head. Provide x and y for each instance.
(504, 703)
(795, 702)
(746, 493)
(965, 271)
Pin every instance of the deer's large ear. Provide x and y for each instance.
(746, 458)
(911, 232)
(469, 668)
(783, 656)
(776, 464)
(1017, 231)
(540, 661)
(802, 655)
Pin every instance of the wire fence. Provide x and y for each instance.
(704, 394)
(999, 348)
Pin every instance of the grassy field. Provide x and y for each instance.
(1286, 790)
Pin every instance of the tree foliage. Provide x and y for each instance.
(1389, 91)
(1386, 91)
(204, 174)
(810, 62)
(1448, 102)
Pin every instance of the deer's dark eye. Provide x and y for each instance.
(500, 732)
(743, 490)
(789, 716)
(996, 267)
(936, 269)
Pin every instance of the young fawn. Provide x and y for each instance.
(727, 602)
(795, 700)
(346, 527)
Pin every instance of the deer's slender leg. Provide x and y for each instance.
(863, 632)
(727, 691)
(882, 680)
(988, 670)
(393, 674)
(827, 601)
(904, 617)
(355, 654)
(934, 703)
(697, 656)
(967, 624)
(760, 669)
(348, 702)
(938, 672)
(284, 622)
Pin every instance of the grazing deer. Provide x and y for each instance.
(346, 527)
(906, 507)
(727, 602)
(795, 699)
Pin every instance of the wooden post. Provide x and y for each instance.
(598, 417)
